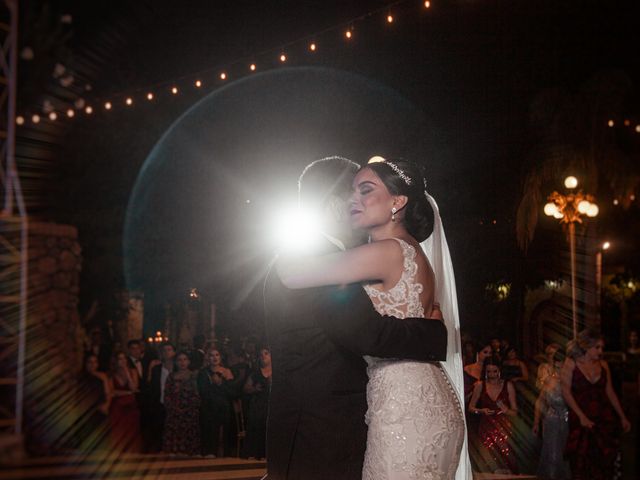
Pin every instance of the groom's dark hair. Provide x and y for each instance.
(330, 176)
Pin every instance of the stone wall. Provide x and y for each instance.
(54, 334)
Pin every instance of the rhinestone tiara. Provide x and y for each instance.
(399, 172)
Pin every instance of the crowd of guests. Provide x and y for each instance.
(210, 400)
(577, 412)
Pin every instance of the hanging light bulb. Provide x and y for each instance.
(427, 4)
(35, 118)
(223, 76)
(348, 34)
(129, 101)
(88, 110)
(19, 120)
(107, 106)
(312, 47)
(53, 116)
(611, 123)
(283, 58)
(149, 96)
(174, 90)
(252, 67)
(198, 83)
(70, 113)
(389, 18)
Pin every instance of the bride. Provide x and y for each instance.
(415, 416)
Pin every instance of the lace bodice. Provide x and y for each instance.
(403, 299)
(416, 425)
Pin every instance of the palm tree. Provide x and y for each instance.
(571, 133)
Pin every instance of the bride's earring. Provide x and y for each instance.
(393, 214)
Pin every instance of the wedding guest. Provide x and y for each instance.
(100, 348)
(257, 389)
(473, 371)
(468, 353)
(631, 382)
(494, 400)
(496, 346)
(159, 371)
(216, 390)
(197, 354)
(182, 403)
(513, 369)
(549, 366)
(551, 420)
(592, 445)
(94, 399)
(124, 414)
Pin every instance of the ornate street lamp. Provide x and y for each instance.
(569, 209)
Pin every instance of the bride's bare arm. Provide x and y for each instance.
(380, 261)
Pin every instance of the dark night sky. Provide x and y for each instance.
(472, 67)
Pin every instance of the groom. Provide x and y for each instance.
(316, 428)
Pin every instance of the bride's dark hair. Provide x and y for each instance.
(418, 214)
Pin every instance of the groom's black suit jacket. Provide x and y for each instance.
(316, 426)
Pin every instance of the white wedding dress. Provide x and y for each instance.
(416, 424)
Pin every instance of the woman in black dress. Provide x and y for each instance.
(257, 390)
(94, 398)
(216, 390)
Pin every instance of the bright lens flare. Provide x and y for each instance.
(296, 230)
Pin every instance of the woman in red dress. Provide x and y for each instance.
(592, 446)
(494, 400)
(124, 415)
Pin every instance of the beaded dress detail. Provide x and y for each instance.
(416, 424)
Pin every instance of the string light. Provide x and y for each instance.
(149, 96)
(283, 58)
(389, 18)
(88, 110)
(348, 34)
(223, 76)
(252, 67)
(198, 83)
(174, 90)
(611, 123)
(35, 118)
(19, 120)
(312, 47)
(107, 106)
(129, 101)
(53, 116)
(70, 113)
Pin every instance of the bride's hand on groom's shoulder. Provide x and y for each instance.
(436, 313)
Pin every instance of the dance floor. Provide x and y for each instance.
(125, 467)
(136, 466)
